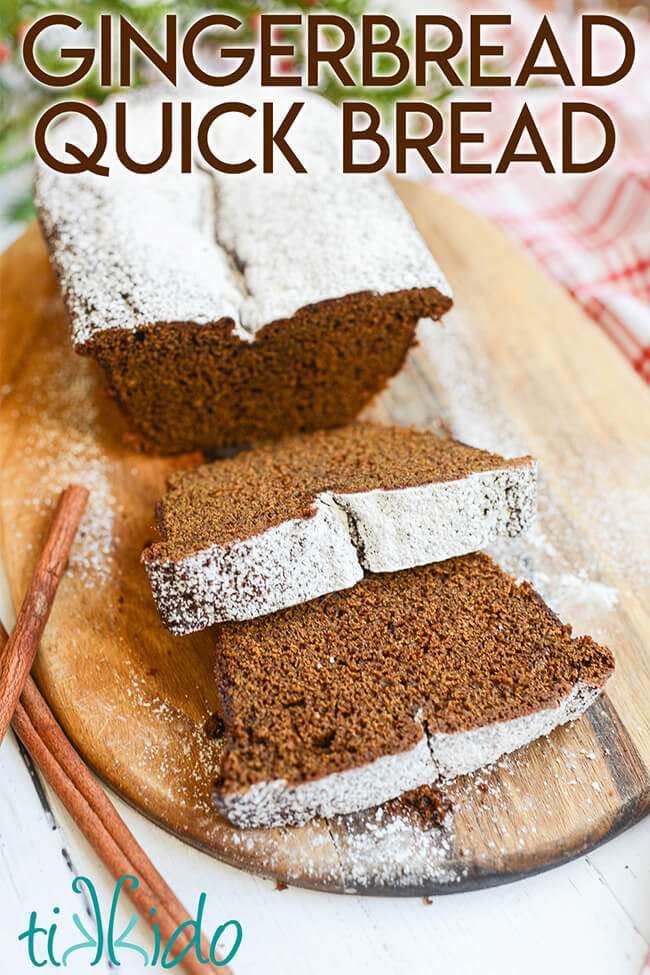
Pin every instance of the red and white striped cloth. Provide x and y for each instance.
(592, 232)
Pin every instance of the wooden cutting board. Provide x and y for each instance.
(516, 368)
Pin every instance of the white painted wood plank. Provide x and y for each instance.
(623, 867)
(565, 921)
(38, 861)
(41, 852)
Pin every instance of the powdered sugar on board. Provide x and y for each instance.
(199, 750)
(556, 559)
(459, 374)
(49, 462)
(381, 849)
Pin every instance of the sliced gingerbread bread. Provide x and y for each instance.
(349, 700)
(290, 521)
(227, 309)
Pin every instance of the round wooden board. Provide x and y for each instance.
(516, 368)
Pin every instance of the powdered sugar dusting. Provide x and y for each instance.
(435, 758)
(379, 530)
(468, 398)
(365, 240)
(548, 552)
(181, 748)
(380, 849)
(50, 463)
(617, 512)
(132, 250)
(579, 588)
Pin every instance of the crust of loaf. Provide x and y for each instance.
(225, 310)
(187, 385)
(433, 758)
(287, 565)
(381, 531)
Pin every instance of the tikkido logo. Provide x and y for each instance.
(43, 948)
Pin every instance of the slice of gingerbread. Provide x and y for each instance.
(290, 521)
(356, 697)
(230, 309)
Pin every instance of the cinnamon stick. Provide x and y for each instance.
(61, 765)
(110, 852)
(100, 822)
(18, 656)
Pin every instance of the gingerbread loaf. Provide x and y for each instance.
(227, 309)
(289, 521)
(409, 677)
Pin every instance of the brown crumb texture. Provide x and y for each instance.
(335, 683)
(200, 386)
(245, 495)
(430, 803)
